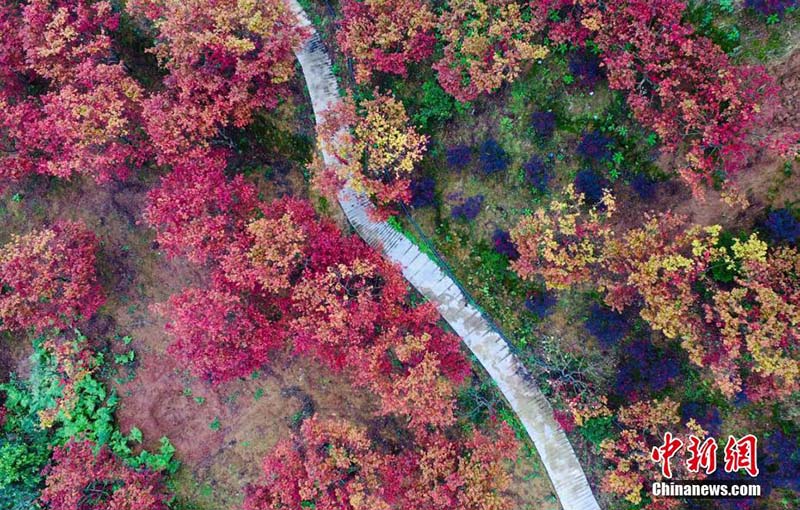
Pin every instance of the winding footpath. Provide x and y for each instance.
(508, 372)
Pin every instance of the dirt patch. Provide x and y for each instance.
(530, 488)
(766, 183)
(220, 434)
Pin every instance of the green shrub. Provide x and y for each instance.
(435, 107)
(596, 430)
(25, 446)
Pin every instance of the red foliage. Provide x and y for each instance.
(176, 128)
(225, 59)
(414, 367)
(77, 479)
(375, 146)
(465, 473)
(679, 84)
(332, 465)
(486, 44)
(87, 119)
(60, 34)
(13, 72)
(48, 278)
(88, 126)
(684, 87)
(329, 465)
(219, 335)
(386, 35)
(348, 310)
(338, 300)
(196, 209)
(340, 307)
(268, 255)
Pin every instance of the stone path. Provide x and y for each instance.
(511, 377)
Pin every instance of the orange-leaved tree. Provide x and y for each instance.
(375, 147)
(733, 304)
(487, 43)
(386, 35)
(49, 278)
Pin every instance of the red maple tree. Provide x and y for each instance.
(333, 465)
(220, 335)
(225, 59)
(328, 465)
(386, 35)
(79, 479)
(679, 84)
(60, 34)
(195, 209)
(48, 278)
(85, 114)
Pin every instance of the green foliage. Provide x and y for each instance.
(595, 430)
(397, 224)
(264, 134)
(135, 46)
(634, 147)
(477, 402)
(125, 358)
(726, 6)
(25, 446)
(135, 435)
(20, 464)
(494, 284)
(715, 21)
(163, 460)
(721, 270)
(435, 106)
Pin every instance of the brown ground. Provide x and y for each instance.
(161, 400)
(220, 433)
(765, 183)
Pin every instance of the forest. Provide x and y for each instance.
(399, 254)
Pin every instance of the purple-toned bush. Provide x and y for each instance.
(493, 158)
(644, 186)
(469, 209)
(537, 173)
(779, 468)
(591, 185)
(608, 326)
(595, 146)
(459, 156)
(781, 461)
(644, 369)
(543, 124)
(706, 415)
(584, 66)
(423, 192)
(541, 303)
(769, 7)
(782, 226)
(501, 240)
